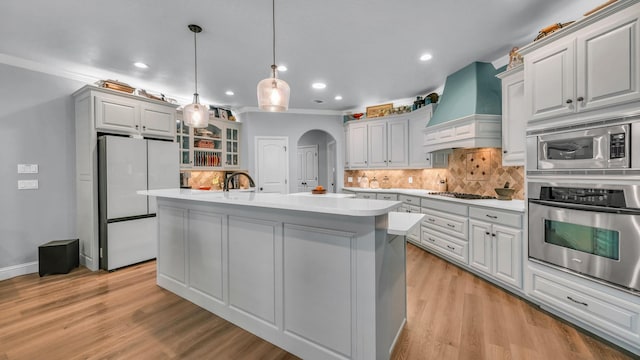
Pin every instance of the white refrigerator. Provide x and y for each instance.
(128, 220)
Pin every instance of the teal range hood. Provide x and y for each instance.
(469, 112)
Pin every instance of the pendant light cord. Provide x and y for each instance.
(273, 18)
(195, 56)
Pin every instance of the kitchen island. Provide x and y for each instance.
(321, 277)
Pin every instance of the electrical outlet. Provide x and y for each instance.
(349, 179)
(359, 179)
(410, 179)
(27, 168)
(27, 184)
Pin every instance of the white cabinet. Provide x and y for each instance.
(495, 249)
(444, 229)
(124, 114)
(514, 118)
(357, 145)
(609, 312)
(378, 143)
(346, 148)
(593, 67)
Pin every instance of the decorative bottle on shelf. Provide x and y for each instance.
(374, 183)
(386, 183)
(364, 181)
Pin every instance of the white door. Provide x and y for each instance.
(331, 167)
(307, 167)
(272, 164)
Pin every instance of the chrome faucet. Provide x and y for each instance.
(252, 184)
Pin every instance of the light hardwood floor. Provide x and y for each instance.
(124, 315)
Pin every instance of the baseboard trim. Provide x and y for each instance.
(17, 270)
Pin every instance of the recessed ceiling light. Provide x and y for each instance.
(426, 57)
(282, 68)
(318, 85)
(140, 65)
(338, 97)
(229, 92)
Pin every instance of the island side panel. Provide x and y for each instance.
(280, 239)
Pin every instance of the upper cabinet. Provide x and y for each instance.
(393, 142)
(378, 143)
(514, 117)
(215, 147)
(128, 114)
(592, 66)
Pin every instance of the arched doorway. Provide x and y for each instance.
(316, 161)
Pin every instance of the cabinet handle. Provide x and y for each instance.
(136, 126)
(577, 302)
(386, 161)
(431, 219)
(491, 216)
(408, 211)
(451, 226)
(494, 235)
(569, 101)
(580, 99)
(432, 240)
(365, 161)
(407, 200)
(144, 127)
(451, 247)
(487, 233)
(504, 151)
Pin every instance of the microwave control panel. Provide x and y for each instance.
(617, 146)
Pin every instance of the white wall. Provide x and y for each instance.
(293, 126)
(36, 127)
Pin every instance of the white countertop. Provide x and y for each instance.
(511, 205)
(335, 205)
(328, 195)
(402, 223)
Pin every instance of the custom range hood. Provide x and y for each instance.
(469, 113)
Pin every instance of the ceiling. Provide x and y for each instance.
(367, 51)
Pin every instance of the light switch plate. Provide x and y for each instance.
(27, 168)
(349, 179)
(410, 179)
(27, 184)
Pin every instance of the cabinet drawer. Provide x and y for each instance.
(448, 206)
(496, 216)
(447, 223)
(385, 196)
(446, 245)
(608, 313)
(365, 195)
(411, 200)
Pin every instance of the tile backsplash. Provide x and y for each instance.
(476, 171)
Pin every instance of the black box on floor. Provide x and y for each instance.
(58, 257)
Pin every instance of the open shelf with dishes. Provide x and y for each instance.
(215, 147)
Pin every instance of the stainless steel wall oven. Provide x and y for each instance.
(591, 229)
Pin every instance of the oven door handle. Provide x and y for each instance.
(582, 207)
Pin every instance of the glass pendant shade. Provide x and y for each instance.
(273, 95)
(195, 114)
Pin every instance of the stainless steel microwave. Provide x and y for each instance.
(606, 145)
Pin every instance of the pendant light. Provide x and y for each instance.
(195, 114)
(273, 93)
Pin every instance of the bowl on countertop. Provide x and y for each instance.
(505, 193)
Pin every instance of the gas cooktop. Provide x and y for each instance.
(458, 195)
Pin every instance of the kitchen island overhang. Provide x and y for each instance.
(320, 277)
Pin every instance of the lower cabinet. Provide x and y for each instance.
(496, 251)
(608, 312)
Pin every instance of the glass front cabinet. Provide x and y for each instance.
(215, 147)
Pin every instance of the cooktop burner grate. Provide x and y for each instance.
(462, 195)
